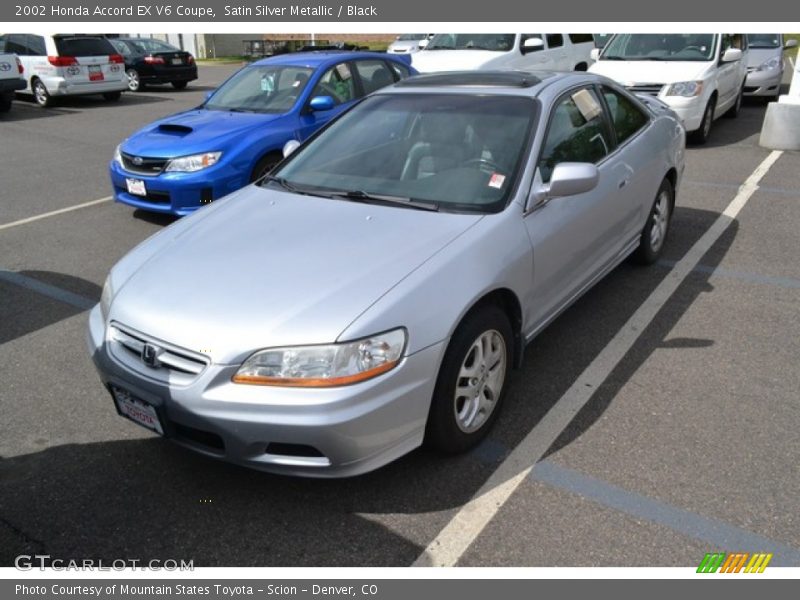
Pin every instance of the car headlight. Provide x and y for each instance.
(118, 155)
(768, 65)
(687, 89)
(324, 365)
(105, 298)
(195, 162)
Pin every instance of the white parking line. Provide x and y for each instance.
(457, 536)
(53, 213)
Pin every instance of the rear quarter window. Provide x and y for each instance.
(581, 38)
(84, 46)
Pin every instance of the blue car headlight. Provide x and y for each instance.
(195, 162)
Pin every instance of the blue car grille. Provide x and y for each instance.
(143, 164)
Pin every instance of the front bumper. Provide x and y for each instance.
(763, 83)
(177, 193)
(354, 428)
(689, 110)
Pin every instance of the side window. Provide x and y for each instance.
(16, 43)
(576, 133)
(626, 117)
(36, 45)
(555, 40)
(581, 38)
(374, 75)
(400, 71)
(337, 82)
(2, 43)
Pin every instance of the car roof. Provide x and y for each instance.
(319, 58)
(523, 83)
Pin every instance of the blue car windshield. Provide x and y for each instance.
(698, 47)
(459, 152)
(262, 89)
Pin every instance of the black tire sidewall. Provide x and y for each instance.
(442, 432)
(698, 136)
(272, 158)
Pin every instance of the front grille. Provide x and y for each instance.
(142, 164)
(155, 358)
(645, 88)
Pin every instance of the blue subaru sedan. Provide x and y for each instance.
(184, 161)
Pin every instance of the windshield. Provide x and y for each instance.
(456, 152)
(267, 89)
(151, 45)
(499, 42)
(764, 40)
(410, 37)
(669, 47)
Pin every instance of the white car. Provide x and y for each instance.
(765, 64)
(10, 78)
(408, 43)
(701, 76)
(492, 51)
(68, 65)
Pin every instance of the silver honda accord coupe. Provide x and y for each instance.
(374, 290)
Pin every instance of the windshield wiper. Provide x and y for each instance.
(290, 187)
(360, 195)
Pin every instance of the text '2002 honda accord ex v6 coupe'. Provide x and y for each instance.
(373, 292)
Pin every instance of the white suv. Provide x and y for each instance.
(700, 76)
(523, 51)
(68, 65)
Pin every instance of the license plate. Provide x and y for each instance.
(177, 61)
(136, 187)
(95, 73)
(137, 410)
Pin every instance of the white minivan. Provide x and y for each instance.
(68, 65)
(524, 51)
(701, 76)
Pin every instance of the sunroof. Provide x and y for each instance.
(520, 79)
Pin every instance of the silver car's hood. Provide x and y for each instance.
(268, 268)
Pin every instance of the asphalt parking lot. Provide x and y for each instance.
(688, 446)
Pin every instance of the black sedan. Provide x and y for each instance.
(148, 60)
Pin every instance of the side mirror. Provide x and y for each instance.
(423, 43)
(595, 54)
(732, 55)
(321, 103)
(532, 45)
(567, 179)
(290, 147)
(790, 44)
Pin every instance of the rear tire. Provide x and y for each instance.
(5, 103)
(472, 381)
(134, 81)
(40, 93)
(112, 96)
(180, 85)
(654, 234)
(700, 135)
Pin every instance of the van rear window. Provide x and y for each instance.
(84, 46)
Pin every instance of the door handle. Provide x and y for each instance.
(623, 183)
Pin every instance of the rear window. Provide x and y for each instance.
(84, 46)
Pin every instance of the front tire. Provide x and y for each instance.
(40, 94)
(734, 110)
(471, 382)
(700, 136)
(264, 166)
(5, 103)
(655, 231)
